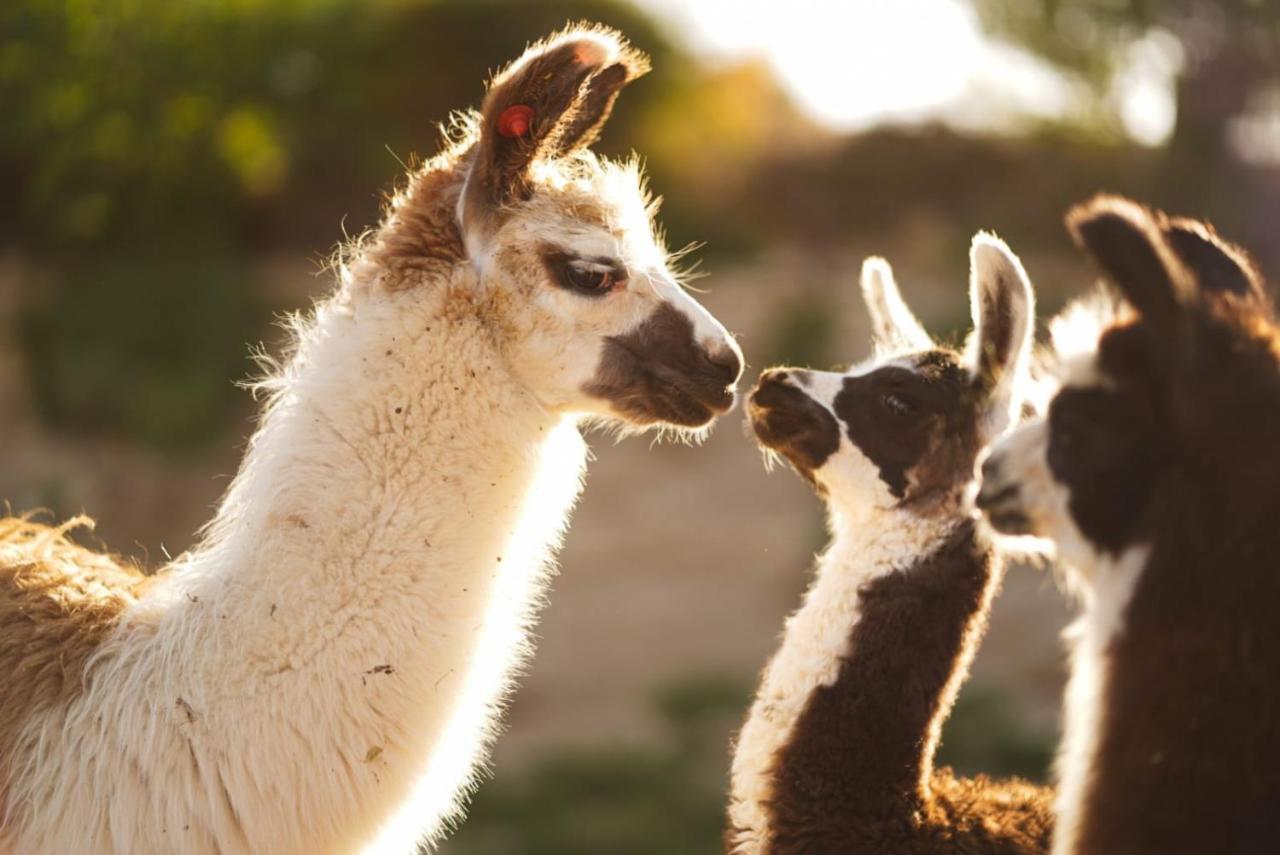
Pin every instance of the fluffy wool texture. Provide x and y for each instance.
(1154, 475)
(324, 671)
(1090, 636)
(333, 651)
(814, 644)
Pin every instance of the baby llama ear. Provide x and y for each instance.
(552, 100)
(1003, 306)
(1221, 268)
(893, 325)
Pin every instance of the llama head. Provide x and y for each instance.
(567, 257)
(1171, 391)
(902, 430)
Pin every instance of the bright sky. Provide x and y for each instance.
(853, 63)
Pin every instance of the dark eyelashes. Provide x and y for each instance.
(592, 277)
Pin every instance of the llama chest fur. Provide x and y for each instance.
(1091, 636)
(345, 635)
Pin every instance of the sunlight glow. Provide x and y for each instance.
(853, 64)
(847, 64)
(1144, 87)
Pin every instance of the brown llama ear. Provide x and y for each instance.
(1127, 241)
(1221, 268)
(596, 103)
(549, 102)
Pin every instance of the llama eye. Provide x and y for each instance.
(897, 405)
(589, 278)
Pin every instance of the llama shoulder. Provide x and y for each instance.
(58, 603)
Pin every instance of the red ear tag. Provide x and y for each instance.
(515, 121)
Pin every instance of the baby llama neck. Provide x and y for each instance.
(847, 717)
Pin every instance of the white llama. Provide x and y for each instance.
(323, 672)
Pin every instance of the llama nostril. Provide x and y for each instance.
(725, 362)
(993, 492)
(990, 472)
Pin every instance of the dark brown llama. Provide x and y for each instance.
(1157, 474)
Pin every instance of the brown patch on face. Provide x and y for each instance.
(659, 373)
(788, 421)
(857, 773)
(918, 425)
(58, 603)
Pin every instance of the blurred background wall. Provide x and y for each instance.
(173, 175)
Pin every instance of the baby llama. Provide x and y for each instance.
(1155, 472)
(837, 752)
(321, 674)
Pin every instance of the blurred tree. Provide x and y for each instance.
(1230, 50)
(150, 149)
(1229, 66)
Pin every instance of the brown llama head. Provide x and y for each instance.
(1180, 388)
(903, 428)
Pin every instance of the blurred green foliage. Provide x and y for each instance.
(153, 152)
(145, 338)
(152, 149)
(1225, 56)
(125, 116)
(805, 334)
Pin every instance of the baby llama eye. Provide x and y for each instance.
(897, 405)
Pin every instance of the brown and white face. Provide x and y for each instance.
(596, 322)
(1087, 475)
(904, 428)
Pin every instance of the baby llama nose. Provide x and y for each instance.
(990, 469)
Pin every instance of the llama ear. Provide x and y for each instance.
(1127, 241)
(601, 91)
(550, 101)
(1003, 306)
(892, 323)
(1221, 269)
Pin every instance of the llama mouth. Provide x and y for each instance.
(677, 404)
(1001, 507)
(786, 420)
(1010, 521)
(648, 393)
(659, 372)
